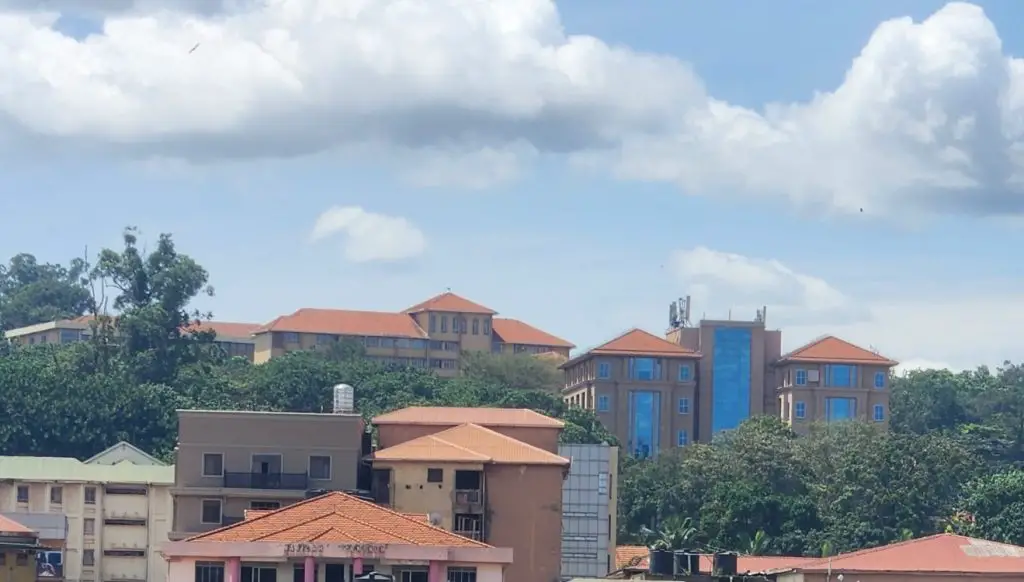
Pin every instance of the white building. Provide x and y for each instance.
(116, 510)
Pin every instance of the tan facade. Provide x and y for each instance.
(228, 462)
(805, 394)
(389, 435)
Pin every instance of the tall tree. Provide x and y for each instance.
(32, 292)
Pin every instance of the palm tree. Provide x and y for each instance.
(674, 534)
(757, 544)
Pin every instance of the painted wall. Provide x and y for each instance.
(183, 570)
(12, 572)
(411, 493)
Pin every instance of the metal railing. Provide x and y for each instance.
(298, 481)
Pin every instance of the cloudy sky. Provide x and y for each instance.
(858, 167)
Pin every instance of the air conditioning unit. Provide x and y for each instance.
(813, 376)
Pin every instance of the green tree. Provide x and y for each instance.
(520, 371)
(994, 505)
(33, 292)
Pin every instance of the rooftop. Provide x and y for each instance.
(66, 469)
(449, 302)
(337, 518)
(9, 526)
(469, 443)
(453, 416)
(513, 331)
(347, 322)
(636, 342)
(832, 350)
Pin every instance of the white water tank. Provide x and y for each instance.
(344, 399)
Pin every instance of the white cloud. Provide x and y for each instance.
(370, 237)
(728, 280)
(929, 115)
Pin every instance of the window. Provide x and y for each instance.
(682, 438)
(90, 496)
(3, 558)
(879, 380)
(801, 378)
(433, 323)
(644, 369)
(799, 409)
(22, 493)
(603, 403)
(89, 526)
(461, 574)
(320, 467)
(209, 572)
(211, 511)
(435, 475)
(684, 406)
(264, 505)
(291, 337)
(878, 413)
(604, 370)
(213, 465)
(68, 336)
(444, 324)
(413, 576)
(837, 409)
(842, 376)
(56, 495)
(487, 327)
(684, 372)
(476, 326)
(88, 557)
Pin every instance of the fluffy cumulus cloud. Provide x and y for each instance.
(370, 237)
(929, 115)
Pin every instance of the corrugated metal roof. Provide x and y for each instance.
(68, 469)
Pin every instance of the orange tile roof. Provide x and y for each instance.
(830, 349)
(513, 331)
(453, 416)
(9, 526)
(635, 342)
(337, 518)
(230, 329)
(450, 303)
(346, 322)
(638, 558)
(470, 443)
(941, 553)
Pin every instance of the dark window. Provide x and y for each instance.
(467, 480)
(435, 475)
(211, 511)
(56, 495)
(90, 496)
(213, 465)
(299, 572)
(461, 574)
(209, 572)
(22, 493)
(259, 574)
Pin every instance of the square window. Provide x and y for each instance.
(682, 438)
(211, 512)
(56, 495)
(799, 409)
(90, 496)
(684, 406)
(89, 526)
(213, 465)
(879, 413)
(879, 380)
(603, 403)
(88, 557)
(291, 337)
(435, 475)
(684, 372)
(801, 378)
(320, 467)
(22, 493)
(604, 370)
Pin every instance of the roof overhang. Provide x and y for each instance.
(278, 551)
(818, 361)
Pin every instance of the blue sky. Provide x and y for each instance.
(730, 150)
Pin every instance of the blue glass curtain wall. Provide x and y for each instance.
(837, 409)
(730, 378)
(644, 423)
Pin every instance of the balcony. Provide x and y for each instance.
(471, 534)
(298, 481)
(468, 496)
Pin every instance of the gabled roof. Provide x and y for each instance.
(513, 331)
(346, 322)
(832, 350)
(636, 342)
(337, 518)
(470, 443)
(9, 526)
(450, 303)
(941, 553)
(123, 451)
(454, 416)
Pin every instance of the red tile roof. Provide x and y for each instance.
(469, 443)
(513, 331)
(832, 350)
(636, 342)
(450, 303)
(942, 553)
(483, 416)
(9, 526)
(337, 518)
(345, 322)
(227, 329)
(638, 558)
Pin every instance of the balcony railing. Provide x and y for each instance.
(468, 496)
(471, 534)
(298, 481)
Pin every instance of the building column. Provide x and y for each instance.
(436, 573)
(357, 566)
(233, 570)
(309, 570)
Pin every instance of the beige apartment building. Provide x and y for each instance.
(234, 338)
(229, 462)
(101, 519)
(655, 393)
(431, 334)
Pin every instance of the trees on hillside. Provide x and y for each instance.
(33, 292)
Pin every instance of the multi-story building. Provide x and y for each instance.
(231, 461)
(115, 509)
(234, 338)
(431, 334)
(589, 508)
(501, 483)
(643, 389)
(832, 380)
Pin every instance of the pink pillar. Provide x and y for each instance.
(233, 570)
(436, 573)
(309, 570)
(357, 566)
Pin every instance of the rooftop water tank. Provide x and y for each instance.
(344, 399)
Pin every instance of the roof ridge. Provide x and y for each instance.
(504, 437)
(807, 345)
(256, 518)
(867, 551)
(411, 520)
